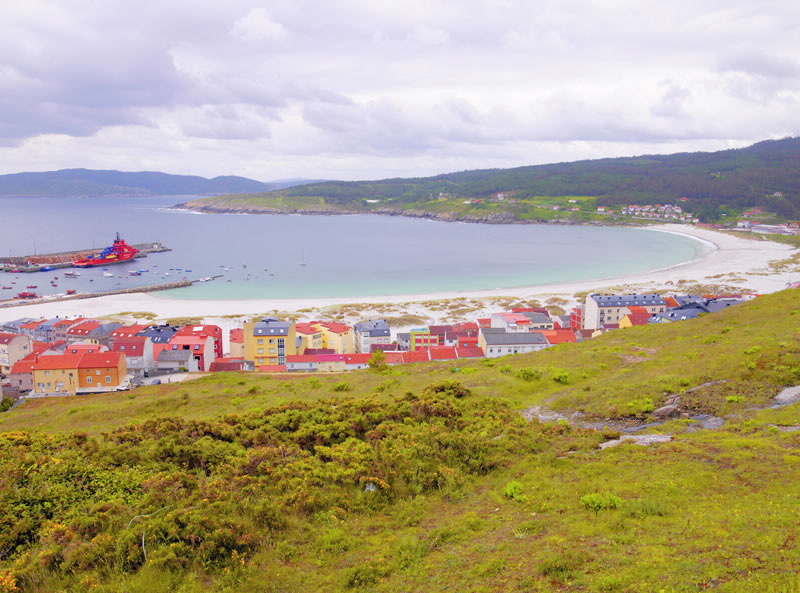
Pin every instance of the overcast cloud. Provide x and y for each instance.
(359, 89)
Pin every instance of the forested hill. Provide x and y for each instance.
(741, 178)
(87, 182)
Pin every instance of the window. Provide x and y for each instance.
(197, 346)
(97, 372)
(108, 378)
(47, 373)
(260, 340)
(88, 379)
(272, 350)
(261, 351)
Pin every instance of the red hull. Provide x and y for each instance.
(118, 253)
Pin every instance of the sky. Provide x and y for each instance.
(369, 89)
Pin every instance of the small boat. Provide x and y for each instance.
(72, 291)
(48, 269)
(71, 274)
(108, 275)
(7, 287)
(134, 273)
(27, 295)
(31, 286)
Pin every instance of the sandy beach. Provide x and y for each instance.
(739, 264)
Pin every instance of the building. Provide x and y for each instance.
(495, 342)
(210, 331)
(367, 333)
(336, 336)
(237, 343)
(101, 372)
(601, 310)
(269, 341)
(202, 347)
(13, 348)
(175, 361)
(138, 352)
(56, 374)
(309, 337)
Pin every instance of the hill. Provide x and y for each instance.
(428, 477)
(87, 182)
(766, 175)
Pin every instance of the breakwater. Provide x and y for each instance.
(63, 259)
(91, 295)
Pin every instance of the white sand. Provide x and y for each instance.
(737, 262)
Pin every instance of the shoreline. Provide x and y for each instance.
(735, 262)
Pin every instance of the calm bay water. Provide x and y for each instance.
(260, 256)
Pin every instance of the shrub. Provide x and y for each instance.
(560, 376)
(514, 491)
(527, 374)
(341, 386)
(598, 502)
(452, 388)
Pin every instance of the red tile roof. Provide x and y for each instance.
(6, 338)
(130, 346)
(57, 362)
(272, 368)
(443, 353)
(219, 366)
(361, 358)
(237, 335)
(559, 336)
(470, 352)
(394, 357)
(639, 318)
(416, 356)
(301, 358)
(84, 348)
(306, 328)
(32, 324)
(128, 330)
(83, 329)
(332, 326)
(96, 360)
(23, 366)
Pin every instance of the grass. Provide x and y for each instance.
(704, 511)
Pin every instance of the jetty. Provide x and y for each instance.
(63, 259)
(91, 295)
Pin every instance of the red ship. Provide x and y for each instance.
(119, 252)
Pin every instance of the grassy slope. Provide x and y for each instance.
(702, 511)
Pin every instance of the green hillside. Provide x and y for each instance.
(765, 175)
(427, 477)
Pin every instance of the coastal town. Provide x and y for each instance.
(72, 356)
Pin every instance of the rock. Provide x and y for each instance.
(788, 396)
(644, 440)
(668, 411)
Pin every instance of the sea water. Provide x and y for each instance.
(285, 256)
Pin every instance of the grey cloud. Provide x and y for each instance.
(758, 63)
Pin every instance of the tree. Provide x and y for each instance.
(378, 361)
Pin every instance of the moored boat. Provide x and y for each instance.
(119, 252)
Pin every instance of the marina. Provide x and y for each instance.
(46, 262)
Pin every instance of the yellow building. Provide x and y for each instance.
(57, 373)
(308, 336)
(336, 336)
(268, 341)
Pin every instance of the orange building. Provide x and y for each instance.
(101, 371)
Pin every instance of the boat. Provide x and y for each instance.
(7, 287)
(26, 295)
(108, 275)
(119, 252)
(134, 273)
(71, 291)
(72, 274)
(31, 286)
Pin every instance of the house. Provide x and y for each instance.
(21, 377)
(367, 333)
(127, 331)
(160, 336)
(202, 347)
(331, 363)
(138, 353)
(237, 342)
(423, 339)
(336, 336)
(13, 348)
(470, 352)
(56, 374)
(353, 362)
(601, 310)
(82, 331)
(100, 372)
(309, 337)
(227, 364)
(29, 329)
(497, 342)
(205, 331)
(632, 319)
(177, 361)
(14, 327)
(444, 353)
(269, 341)
(302, 362)
(46, 332)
